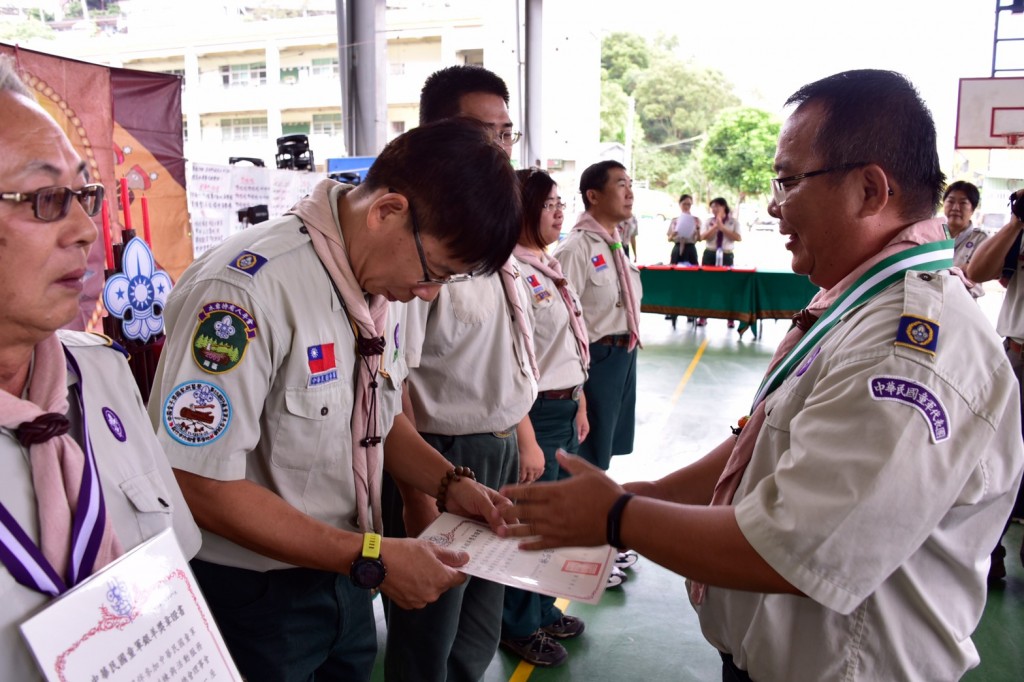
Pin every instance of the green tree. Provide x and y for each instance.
(624, 56)
(739, 150)
(19, 31)
(614, 112)
(678, 100)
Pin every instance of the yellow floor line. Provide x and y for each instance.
(524, 670)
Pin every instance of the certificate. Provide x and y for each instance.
(140, 618)
(575, 573)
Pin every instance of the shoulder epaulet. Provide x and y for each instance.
(918, 328)
(85, 339)
(275, 240)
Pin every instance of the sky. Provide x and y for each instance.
(769, 48)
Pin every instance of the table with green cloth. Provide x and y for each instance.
(746, 295)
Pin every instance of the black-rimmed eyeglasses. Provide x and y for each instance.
(427, 278)
(51, 204)
(780, 185)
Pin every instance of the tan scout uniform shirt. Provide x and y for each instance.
(878, 486)
(589, 266)
(141, 496)
(965, 244)
(558, 358)
(256, 379)
(470, 372)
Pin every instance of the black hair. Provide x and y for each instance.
(443, 89)
(534, 186)
(875, 116)
(973, 195)
(721, 202)
(596, 177)
(460, 186)
(684, 197)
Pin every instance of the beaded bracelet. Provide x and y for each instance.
(453, 475)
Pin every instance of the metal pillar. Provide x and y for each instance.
(361, 62)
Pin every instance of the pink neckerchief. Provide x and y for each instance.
(586, 223)
(919, 233)
(548, 265)
(509, 273)
(367, 314)
(58, 467)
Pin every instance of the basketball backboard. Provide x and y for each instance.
(990, 113)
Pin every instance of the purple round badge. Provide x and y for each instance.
(114, 424)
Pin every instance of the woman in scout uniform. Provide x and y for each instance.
(559, 415)
(73, 431)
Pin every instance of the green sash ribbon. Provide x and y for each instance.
(931, 256)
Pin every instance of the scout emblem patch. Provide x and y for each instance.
(918, 396)
(598, 262)
(539, 292)
(114, 424)
(918, 333)
(247, 263)
(196, 413)
(322, 366)
(221, 337)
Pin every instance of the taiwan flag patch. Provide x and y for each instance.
(321, 358)
(598, 262)
(539, 292)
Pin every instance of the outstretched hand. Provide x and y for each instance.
(472, 499)
(569, 513)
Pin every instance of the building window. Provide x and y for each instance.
(242, 75)
(326, 124)
(397, 128)
(243, 129)
(396, 68)
(301, 128)
(324, 68)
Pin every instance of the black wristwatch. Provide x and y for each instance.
(368, 571)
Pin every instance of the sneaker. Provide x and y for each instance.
(616, 577)
(538, 649)
(626, 559)
(565, 627)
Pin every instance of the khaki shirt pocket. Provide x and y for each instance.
(314, 424)
(153, 504)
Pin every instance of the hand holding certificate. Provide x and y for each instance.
(576, 573)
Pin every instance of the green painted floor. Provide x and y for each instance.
(693, 384)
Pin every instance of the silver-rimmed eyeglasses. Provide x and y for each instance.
(552, 205)
(508, 136)
(781, 185)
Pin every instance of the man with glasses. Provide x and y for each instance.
(844, 531)
(471, 385)
(277, 398)
(82, 477)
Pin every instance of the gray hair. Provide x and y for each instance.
(10, 81)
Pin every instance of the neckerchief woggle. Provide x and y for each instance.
(931, 256)
(22, 556)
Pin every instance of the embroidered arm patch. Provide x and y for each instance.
(918, 396)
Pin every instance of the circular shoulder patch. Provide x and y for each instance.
(222, 334)
(196, 413)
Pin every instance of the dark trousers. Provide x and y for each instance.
(291, 625)
(730, 672)
(683, 253)
(554, 423)
(709, 258)
(455, 638)
(611, 404)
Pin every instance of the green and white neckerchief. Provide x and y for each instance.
(885, 273)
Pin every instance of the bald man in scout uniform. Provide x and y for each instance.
(280, 384)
